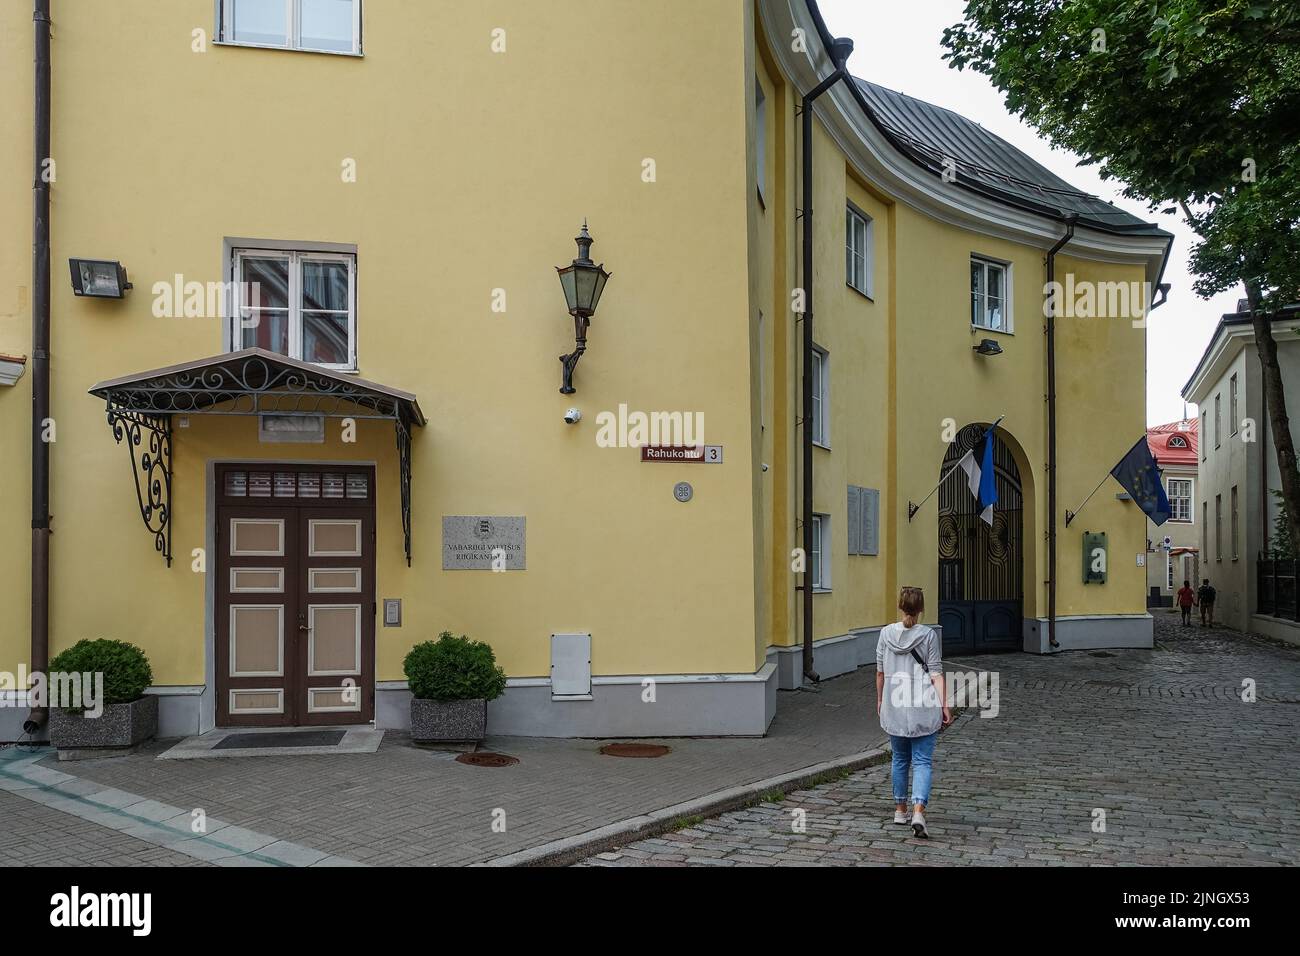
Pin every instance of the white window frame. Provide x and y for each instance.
(821, 395)
(1008, 312)
(1232, 404)
(293, 22)
(1169, 571)
(296, 258)
(1190, 498)
(853, 216)
(820, 569)
(760, 140)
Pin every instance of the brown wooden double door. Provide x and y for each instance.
(295, 608)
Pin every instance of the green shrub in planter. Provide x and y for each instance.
(453, 668)
(125, 667)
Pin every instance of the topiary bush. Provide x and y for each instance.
(453, 668)
(125, 667)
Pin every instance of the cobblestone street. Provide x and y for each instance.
(1159, 741)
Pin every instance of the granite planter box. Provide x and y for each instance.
(119, 728)
(449, 721)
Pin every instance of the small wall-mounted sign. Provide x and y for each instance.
(392, 612)
(707, 454)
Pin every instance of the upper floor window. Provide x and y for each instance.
(821, 416)
(760, 139)
(1177, 441)
(1232, 405)
(1218, 420)
(299, 304)
(990, 298)
(1203, 433)
(1180, 499)
(323, 26)
(857, 250)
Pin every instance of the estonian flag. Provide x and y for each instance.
(1138, 473)
(979, 475)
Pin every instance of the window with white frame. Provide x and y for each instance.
(857, 250)
(821, 416)
(1232, 405)
(760, 139)
(299, 304)
(1180, 499)
(321, 26)
(990, 297)
(819, 565)
(1169, 572)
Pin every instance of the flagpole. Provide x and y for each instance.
(1070, 515)
(912, 509)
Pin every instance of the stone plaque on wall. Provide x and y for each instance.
(483, 543)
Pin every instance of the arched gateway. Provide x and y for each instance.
(981, 568)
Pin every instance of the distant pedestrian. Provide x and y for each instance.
(1205, 596)
(1186, 598)
(909, 657)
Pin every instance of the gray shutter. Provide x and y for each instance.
(855, 520)
(869, 534)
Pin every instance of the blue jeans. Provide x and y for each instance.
(917, 755)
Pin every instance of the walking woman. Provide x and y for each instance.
(913, 707)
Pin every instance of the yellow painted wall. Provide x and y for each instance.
(475, 170)
(902, 364)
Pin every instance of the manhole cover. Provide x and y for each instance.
(635, 750)
(485, 759)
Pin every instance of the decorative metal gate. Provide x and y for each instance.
(981, 568)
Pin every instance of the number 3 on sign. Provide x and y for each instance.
(713, 454)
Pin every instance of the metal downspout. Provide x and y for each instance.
(40, 361)
(1070, 222)
(839, 52)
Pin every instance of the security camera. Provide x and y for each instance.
(572, 416)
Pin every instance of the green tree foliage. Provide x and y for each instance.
(1195, 106)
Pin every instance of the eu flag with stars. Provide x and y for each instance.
(1138, 473)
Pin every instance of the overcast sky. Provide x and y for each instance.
(898, 46)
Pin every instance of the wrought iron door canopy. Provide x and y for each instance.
(249, 382)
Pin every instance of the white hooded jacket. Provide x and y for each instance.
(910, 704)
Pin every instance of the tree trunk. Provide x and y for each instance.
(1275, 397)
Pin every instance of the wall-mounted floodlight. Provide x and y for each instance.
(98, 278)
(988, 347)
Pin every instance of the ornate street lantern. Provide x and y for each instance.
(583, 281)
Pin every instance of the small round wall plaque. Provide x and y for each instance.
(683, 491)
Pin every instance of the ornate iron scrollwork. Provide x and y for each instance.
(404, 471)
(149, 440)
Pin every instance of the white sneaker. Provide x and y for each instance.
(918, 826)
(900, 816)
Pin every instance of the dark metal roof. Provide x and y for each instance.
(932, 136)
(986, 164)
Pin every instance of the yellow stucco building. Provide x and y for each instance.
(360, 438)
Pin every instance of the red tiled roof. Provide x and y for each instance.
(1174, 443)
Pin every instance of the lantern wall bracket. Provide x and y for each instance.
(570, 361)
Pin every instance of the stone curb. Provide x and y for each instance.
(571, 849)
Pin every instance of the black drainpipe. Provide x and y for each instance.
(1051, 429)
(40, 363)
(839, 51)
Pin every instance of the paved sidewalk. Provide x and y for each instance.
(1159, 742)
(406, 805)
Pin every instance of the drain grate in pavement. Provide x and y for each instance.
(486, 759)
(297, 738)
(634, 750)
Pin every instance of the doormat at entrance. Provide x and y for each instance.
(276, 742)
(298, 738)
